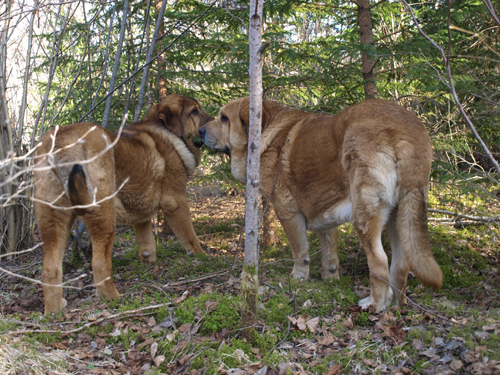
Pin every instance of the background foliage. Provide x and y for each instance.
(313, 61)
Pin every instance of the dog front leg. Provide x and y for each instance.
(146, 241)
(177, 213)
(295, 230)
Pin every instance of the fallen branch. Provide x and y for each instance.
(456, 216)
(178, 283)
(89, 324)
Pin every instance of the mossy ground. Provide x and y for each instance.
(197, 329)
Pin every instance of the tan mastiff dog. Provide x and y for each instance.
(368, 164)
(108, 179)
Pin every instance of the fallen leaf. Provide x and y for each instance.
(370, 362)
(430, 353)
(312, 324)
(211, 305)
(348, 323)
(152, 321)
(184, 328)
(417, 344)
(154, 348)
(326, 340)
(335, 370)
(456, 364)
(394, 332)
(146, 342)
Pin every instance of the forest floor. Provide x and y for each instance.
(181, 315)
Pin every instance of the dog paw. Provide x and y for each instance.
(300, 272)
(331, 273)
(365, 303)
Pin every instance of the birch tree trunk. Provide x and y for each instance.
(117, 64)
(161, 66)
(151, 50)
(249, 276)
(366, 40)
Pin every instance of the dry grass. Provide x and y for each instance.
(21, 358)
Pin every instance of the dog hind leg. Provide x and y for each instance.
(179, 218)
(146, 241)
(400, 267)
(101, 226)
(329, 254)
(54, 226)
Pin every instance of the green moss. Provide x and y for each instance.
(226, 315)
(276, 309)
(363, 319)
(425, 336)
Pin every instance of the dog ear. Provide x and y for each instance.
(245, 115)
(170, 120)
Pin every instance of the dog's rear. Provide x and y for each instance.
(387, 154)
(63, 161)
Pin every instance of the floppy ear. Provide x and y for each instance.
(245, 115)
(170, 120)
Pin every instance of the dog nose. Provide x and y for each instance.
(202, 132)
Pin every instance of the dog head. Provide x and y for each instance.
(181, 115)
(229, 133)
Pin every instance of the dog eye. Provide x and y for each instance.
(224, 118)
(194, 112)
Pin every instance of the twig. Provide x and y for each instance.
(416, 304)
(89, 324)
(178, 283)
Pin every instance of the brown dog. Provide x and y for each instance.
(84, 170)
(369, 164)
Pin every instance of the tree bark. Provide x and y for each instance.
(117, 64)
(161, 66)
(140, 101)
(249, 277)
(366, 41)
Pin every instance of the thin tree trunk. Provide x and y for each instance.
(149, 57)
(22, 110)
(366, 40)
(249, 276)
(117, 64)
(106, 61)
(131, 91)
(161, 66)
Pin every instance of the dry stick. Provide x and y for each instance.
(89, 324)
(458, 215)
(178, 283)
(414, 303)
(451, 86)
(489, 5)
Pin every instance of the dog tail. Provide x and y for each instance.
(77, 188)
(414, 236)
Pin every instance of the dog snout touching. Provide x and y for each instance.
(203, 131)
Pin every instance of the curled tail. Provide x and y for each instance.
(414, 237)
(77, 189)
